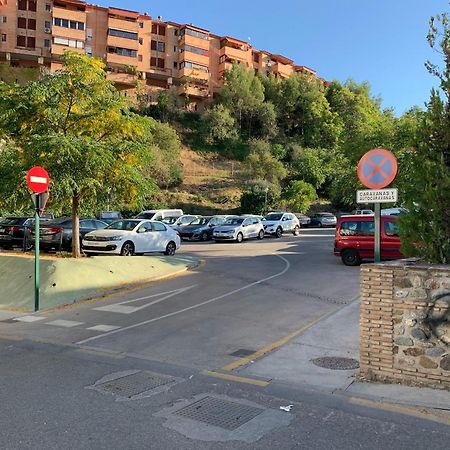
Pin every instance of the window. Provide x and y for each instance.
(89, 34)
(21, 22)
(141, 24)
(145, 228)
(157, 62)
(31, 24)
(255, 57)
(68, 42)
(48, 7)
(123, 51)
(31, 42)
(357, 228)
(139, 57)
(175, 48)
(391, 229)
(123, 34)
(175, 65)
(22, 5)
(198, 50)
(194, 66)
(194, 33)
(141, 41)
(31, 6)
(157, 226)
(159, 29)
(158, 46)
(4, 19)
(89, 51)
(65, 23)
(47, 43)
(72, 24)
(21, 41)
(80, 26)
(3, 37)
(349, 229)
(57, 22)
(47, 24)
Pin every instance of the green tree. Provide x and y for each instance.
(218, 126)
(299, 196)
(309, 164)
(259, 198)
(74, 123)
(262, 165)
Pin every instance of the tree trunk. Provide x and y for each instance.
(76, 226)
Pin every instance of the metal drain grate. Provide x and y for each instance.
(336, 363)
(220, 413)
(134, 384)
(242, 352)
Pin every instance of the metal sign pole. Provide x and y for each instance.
(377, 253)
(36, 253)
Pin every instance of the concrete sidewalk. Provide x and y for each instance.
(336, 336)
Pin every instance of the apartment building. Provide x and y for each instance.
(143, 55)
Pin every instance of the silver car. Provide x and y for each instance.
(239, 228)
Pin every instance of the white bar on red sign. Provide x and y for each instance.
(38, 179)
(377, 196)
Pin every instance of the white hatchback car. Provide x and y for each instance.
(277, 223)
(128, 237)
(239, 228)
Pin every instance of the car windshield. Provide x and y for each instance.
(145, 215)
(200, 221)
(12, 221)
(273, 217)
(234, 221)
(127, 225)
(169, 220)
(109, 215)
(326, 215)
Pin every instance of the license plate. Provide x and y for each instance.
(94, 244)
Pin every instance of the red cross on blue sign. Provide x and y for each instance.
(377, 168)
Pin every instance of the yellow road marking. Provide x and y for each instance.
(274, 345)
(419, 411)
(10, 338)
(231, 377)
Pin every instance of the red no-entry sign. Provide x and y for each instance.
(377, 168)
(38, 179)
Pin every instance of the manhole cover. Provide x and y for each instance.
(336, 363)
(242, 352)
(220, 413)
(134, 384)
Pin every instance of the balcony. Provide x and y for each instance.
(119, 78)
(193, 73)
(115, 41)
(193, 91)
(60, 49)
(69, 14)
(69, 33)
(158, 72)
(194, 57)
(235, 54)
(114, 58)
(281, 70)
(123, 24)
(28, 51)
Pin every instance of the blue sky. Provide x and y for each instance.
(380, 41)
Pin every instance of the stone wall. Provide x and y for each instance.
(405, 323)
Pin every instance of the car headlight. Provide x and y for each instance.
(115, 238)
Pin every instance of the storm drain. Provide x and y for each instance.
(220, 413)
(336, 363)
(242, 352)
(134, 384)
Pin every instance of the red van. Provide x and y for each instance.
(354, 239)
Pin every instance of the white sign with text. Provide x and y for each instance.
(377, 196)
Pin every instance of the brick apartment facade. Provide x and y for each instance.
(141, 54)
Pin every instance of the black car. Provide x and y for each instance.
(57, 234)
(200, 229)
(15, 232)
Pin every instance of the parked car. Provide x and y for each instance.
(354, 238)
(239, 228)
(57, 234)
(128, 237)
(15, 232)
(304, 220)
(109, 216)
(159, 214)
(201, 229)
(323, 219)
(363, 211)
(180, 221)
(277, 223)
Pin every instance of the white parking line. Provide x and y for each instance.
(64, 323)
(103, 328)
(120, 308)
(29, 318)
(198, 305)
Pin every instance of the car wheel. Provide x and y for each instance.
(261, 234)
(279, 232)
(170, 249)
(239, 238)
(350, 258)
(127, 249)
(296, 230)
(204, 236)
(319, 224)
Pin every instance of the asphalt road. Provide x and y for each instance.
(241, 299)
